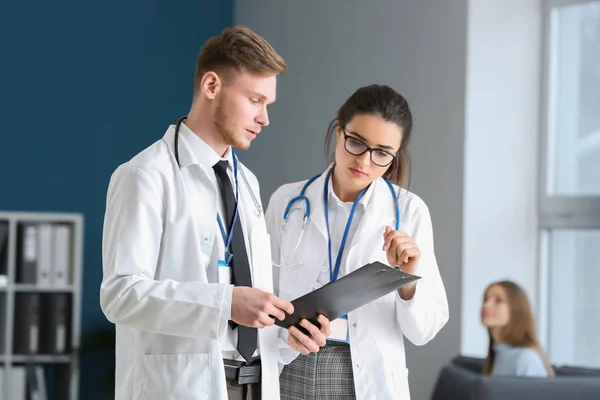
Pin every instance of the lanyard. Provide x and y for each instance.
(334, 272)
(226, 237)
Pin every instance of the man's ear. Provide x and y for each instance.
(211, 84)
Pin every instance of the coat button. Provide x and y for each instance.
(354, 324)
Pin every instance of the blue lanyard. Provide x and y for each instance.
(334, 272)
(227, 238)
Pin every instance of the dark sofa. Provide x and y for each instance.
(462, 380)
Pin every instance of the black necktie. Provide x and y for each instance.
(240, 267)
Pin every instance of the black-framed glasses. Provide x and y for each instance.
(357, 147)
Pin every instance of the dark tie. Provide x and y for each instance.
(240, 267)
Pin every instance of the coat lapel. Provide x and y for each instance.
(379, 212)
(314, 193)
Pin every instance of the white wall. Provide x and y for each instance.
(500, 238)
(332, 48)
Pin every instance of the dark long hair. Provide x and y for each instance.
(388, 104)
(520, 330)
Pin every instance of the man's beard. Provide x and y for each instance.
(230, 136)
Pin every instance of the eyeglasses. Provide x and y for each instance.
(357, 147)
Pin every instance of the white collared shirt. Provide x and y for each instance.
(208, 158)
(339, 212)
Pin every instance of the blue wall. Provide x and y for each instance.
(84, 87)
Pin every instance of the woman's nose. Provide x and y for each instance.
(365, 158)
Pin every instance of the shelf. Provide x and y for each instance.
(41, 216)
(25, 287)
(57, 239)
(38, 359)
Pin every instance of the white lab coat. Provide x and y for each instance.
(170, 317)
(377, 330)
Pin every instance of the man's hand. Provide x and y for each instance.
(256, 308)
(304, 344)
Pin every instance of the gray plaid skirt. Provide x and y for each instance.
(323, 375)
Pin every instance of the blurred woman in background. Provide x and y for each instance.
(514, 347)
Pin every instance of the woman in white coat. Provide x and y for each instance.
(352, 221)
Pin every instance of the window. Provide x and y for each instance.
(569, 316)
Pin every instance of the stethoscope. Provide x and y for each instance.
(257, 207)
(333, 268)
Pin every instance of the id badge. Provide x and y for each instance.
(224, 272)
(339, 329)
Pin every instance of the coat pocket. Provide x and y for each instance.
(176, 376)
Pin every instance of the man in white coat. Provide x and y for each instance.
(186, 255)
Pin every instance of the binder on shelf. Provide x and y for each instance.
(17, 383)
(26, 323)
(36, 383)
(61, 261)
(45, 254)
(27, 253)
(55, 331)
(3, 250)
(2, 323)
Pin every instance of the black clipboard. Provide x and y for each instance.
(338, 298)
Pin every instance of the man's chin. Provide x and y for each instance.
(244, 147)
(237, 141)
(241, 144)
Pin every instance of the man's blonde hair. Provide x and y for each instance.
(237, 49)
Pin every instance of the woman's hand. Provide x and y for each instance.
(402, 251)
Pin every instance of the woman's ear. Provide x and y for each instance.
(338, 130)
